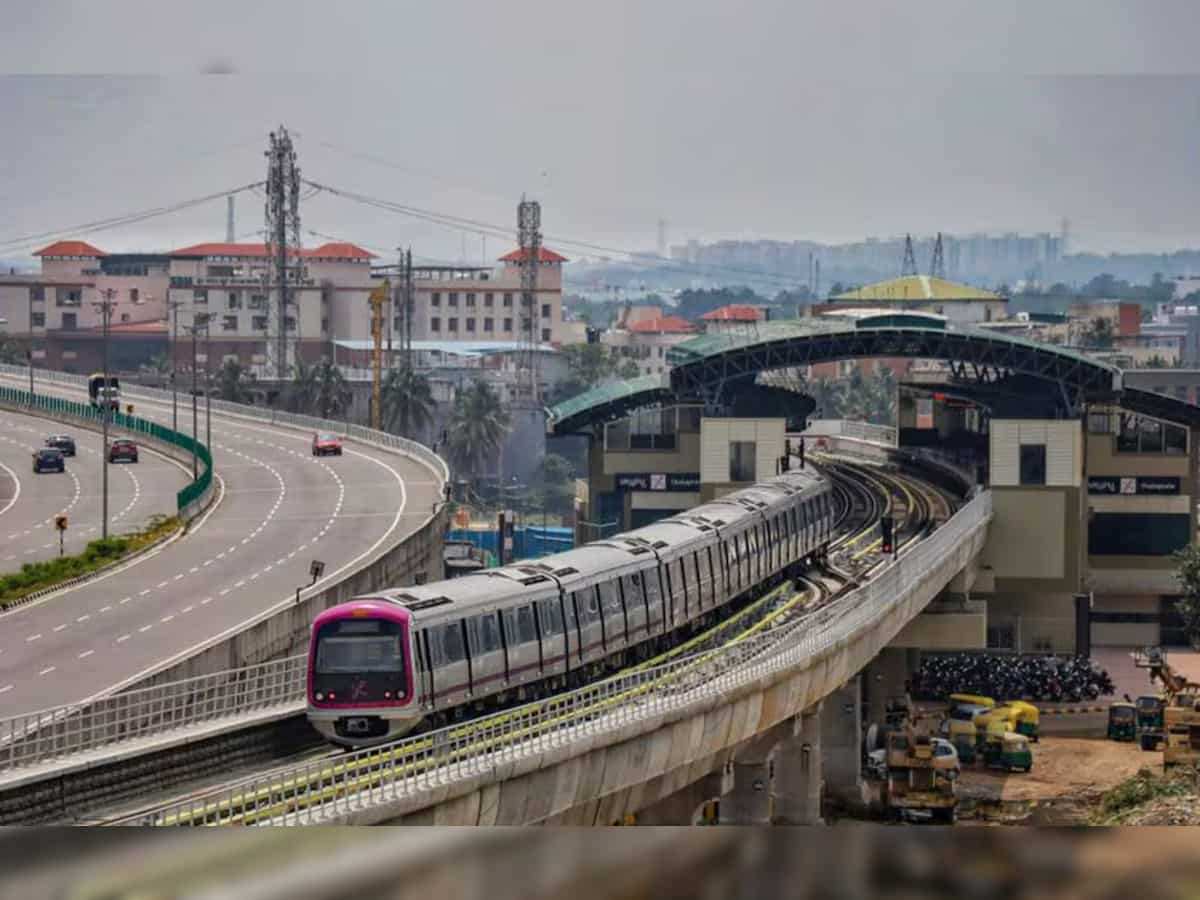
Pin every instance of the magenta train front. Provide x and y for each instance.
(360, 674)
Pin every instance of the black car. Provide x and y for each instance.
(63, 442)
(123, 449)
(48, 459)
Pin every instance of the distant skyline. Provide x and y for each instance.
(773, 119)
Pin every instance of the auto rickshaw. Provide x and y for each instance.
(971, 700)
(1028, 718)
(999, 720)
(1008, 751)
(963, 734)
(1149, 720)
(1122, 721)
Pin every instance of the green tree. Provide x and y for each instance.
(11, 353)
(478, 424)
(555, 478)
(301, 392)
(234, 381)
(829, 397)
(159, 364)
(1157, 362)
(1187, 573)
(1099, 335)
(628, 369)
(407, 400)
(333, 391)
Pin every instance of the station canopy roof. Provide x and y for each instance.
(705, 362)
(916, 288)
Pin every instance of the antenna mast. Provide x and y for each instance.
(909, 266)
(529, 237)
(285, 266)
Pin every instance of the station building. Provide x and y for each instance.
(1093, 480)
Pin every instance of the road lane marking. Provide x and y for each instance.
(86, 653)
(122, 638)
(47, 670)
(144, 629)
(33, 638)
(58, 628)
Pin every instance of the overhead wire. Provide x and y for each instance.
(9, 245)
(462, 223)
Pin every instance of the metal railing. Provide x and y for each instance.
(51, 735)
(321, 791)
(863, 431)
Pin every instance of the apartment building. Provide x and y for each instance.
(474, 303)
(647, 340)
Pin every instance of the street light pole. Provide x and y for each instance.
(31, 341)
(208, 384)
(105, 306)
(195, 430)
(174, 304)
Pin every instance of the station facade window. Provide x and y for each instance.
(1139, 434)
(1033, 464)
(741, 460)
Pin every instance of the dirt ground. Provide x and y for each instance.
(1069, 773)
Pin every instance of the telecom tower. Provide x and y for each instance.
(529, 237)
(909, 266)
(285, 267)
(230, 234)
(937, 268)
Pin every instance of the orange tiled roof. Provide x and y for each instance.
(734, 313)
(544, 255)
(71, 248)
(662, 325)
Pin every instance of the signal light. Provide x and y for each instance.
(886, 533)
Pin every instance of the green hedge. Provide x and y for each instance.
(132, 424)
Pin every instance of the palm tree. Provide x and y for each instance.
(233, 382)
(301, 396)
(333, 391)
(407, 401)
(477, 428)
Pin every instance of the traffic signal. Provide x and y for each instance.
(886, 529)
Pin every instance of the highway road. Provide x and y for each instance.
(29, 502)
(278, 509)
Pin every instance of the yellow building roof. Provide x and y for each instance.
(916, 287)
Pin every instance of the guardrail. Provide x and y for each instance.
(54, 734)
(863, 431)
(60, 407)
(356, 781)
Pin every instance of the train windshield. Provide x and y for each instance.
(355, 646)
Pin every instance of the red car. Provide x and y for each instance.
(123, 449)
(326, 444)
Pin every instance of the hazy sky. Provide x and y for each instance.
(759, 118)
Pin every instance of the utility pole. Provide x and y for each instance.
(174, 306)
(378, 297)
(937, 268)
(105, 308)
(30, 292)
(208, 385)
(194, 328)
(529, 222)
(283, 240)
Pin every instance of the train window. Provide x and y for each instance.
(526, 630)
(610, 599)
(585, 603)
(452, 643)
(551, 617)
(489, 633)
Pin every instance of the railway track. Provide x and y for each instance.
(865, 495)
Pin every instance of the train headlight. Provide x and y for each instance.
(332, 695)
(318, 696)
(387, 695)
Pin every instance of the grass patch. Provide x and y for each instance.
(37, 576)
(1146, 786)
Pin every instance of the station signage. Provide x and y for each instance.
(1149, 485)
(670, 481)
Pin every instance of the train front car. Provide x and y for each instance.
(361, 685)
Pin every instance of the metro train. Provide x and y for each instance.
(382, 664)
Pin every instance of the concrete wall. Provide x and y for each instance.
(716, 436)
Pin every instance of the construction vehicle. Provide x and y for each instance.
(919, 770)
(1180, 734)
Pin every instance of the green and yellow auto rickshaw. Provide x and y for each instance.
(1150, 720)
(1028, 718)
(1008, 751)
(1122, 721)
